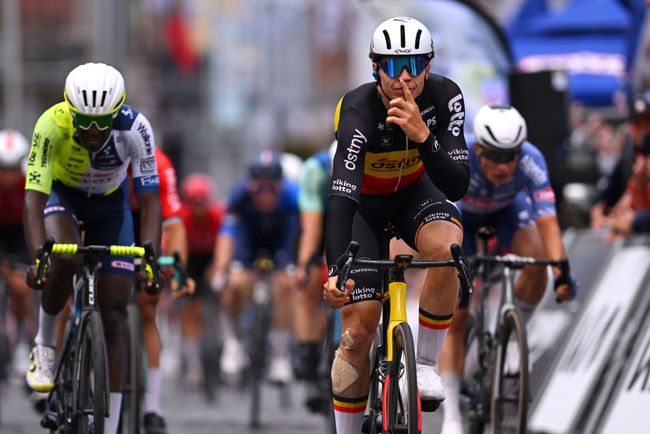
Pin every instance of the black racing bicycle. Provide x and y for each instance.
(394, 402)
(495, 382)
(79, 401)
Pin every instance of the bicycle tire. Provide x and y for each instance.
(476, 386)
(401, 401)
(257, 353)
(509, 406)
(130, 413)
(91, 369)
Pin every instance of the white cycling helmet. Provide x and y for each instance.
(499, 128)
(95, 89)
(291, 166)
(13, 149)
(401, 36)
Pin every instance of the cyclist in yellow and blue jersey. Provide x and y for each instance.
(401, 160)
(77, 173)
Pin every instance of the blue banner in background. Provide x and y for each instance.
(595, 41)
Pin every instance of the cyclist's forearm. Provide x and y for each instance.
(311, 225)
(175, 239)
(224, 248)
(449, 175)
(150, 218)
(34, 221)
(551, 236)
(338, 227)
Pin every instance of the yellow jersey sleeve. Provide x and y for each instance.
(49, 131)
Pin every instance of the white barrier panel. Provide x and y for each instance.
(629, 409)
(593, 337)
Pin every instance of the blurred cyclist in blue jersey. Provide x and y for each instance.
(261, 217)
(509, 190)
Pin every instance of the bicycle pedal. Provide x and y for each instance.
(430, 405)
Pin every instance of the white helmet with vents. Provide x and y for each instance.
(291, 166)
(499, 128)
(95, 89)
(401, 36)
(13, 149)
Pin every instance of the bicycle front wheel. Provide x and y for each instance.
(510, 377)
(91, 371)
(401, 408)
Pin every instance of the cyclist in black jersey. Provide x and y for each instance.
(401, 159)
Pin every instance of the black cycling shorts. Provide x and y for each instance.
(406, 211)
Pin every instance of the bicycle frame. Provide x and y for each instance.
(84, 285)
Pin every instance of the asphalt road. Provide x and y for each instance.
(187, 412)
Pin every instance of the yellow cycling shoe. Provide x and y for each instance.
(40, 374)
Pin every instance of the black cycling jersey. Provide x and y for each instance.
(376, 158)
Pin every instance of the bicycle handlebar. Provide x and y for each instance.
(519, 262)
(406, 261)
(146, 252)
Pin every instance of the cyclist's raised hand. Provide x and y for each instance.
(405, 112)
(333, 296)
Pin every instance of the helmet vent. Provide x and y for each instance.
(83, 92)
(417, 39)
(103, 98)
(387, 36)
(402, 32)
(94, 98)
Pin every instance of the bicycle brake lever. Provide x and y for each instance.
(41, 260)
(463, 275)
(150, 259)
(348, 256)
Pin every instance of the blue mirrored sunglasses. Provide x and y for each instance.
(393, 66)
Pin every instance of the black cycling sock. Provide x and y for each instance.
(309, 356)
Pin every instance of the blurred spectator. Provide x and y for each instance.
(631, 212)
(636, 146)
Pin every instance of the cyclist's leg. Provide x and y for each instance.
(309, 326)
(61, 224)
(191, 312)
(452, 353)
(280, 370)
(350, 368)
(114, 292)
(233, 300)
(516, 228)
(432, 224)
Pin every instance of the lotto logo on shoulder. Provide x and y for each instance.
(457, 119)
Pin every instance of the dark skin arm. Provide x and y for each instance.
(150, 218)
(34, 225)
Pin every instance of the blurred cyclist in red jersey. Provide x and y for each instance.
(202, 216)
(13, 152)
(174, 239)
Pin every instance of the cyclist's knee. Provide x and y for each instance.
(345, 373)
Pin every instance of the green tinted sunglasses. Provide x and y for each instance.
(85, 122)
